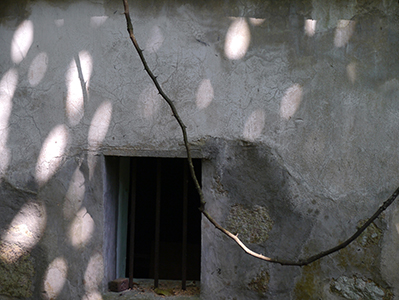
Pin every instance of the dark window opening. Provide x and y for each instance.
(169, 181)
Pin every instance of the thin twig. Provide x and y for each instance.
(300, 262)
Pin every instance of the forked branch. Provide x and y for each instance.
(300, 262)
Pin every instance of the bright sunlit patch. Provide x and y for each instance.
(237, 39)
(99, 125)
(96, 295)
(21, 42)
(51, 154)
(256, 21)
(351, 71)
(24, 231)
(59, 22)
(149, 102)
(38, 69)
(97, 132)
(81, 229)
(204, 94)
(94, 273)
(290, 102)
(77, 81)
(8, 85)
(97, 21)
(344, 32)
(155, 40)
(254, 125)
(310, 27)
(74, 195)
(55, 277)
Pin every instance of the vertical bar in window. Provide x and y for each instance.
(184, 250)
(132, 218)
(157, 224)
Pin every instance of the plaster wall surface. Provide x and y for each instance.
(292, 104)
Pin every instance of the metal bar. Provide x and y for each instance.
(132, 218)
(157, 224)
(184, 250)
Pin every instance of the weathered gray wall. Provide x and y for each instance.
(293, 104)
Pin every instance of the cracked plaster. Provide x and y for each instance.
(319, 171)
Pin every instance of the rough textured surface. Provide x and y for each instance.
(17, 277)
(291, 104)
(260, 283)
(252, 225)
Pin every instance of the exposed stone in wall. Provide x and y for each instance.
(364, 253)
(260, 283)
(16, 277)
(354, 288)
(306, 89)
(371, 236)
(251, 224)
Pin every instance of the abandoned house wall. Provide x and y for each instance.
(293, 106)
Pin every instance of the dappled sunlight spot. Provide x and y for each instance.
(99, 125)
(92, 160)
(97, 21)
(5, 152)
(38, 69)
(96, 295)
(75, 194)
(81, 229)
(74, 100)
(351, 72)
(21, 41)
(204, 94)
(54, 280)
(59, 22)
(256, 21)
(155, 40)
(77, 81)
(51, 154)
(310, 27)
(254, 125)
(237, 39)
(343, 32)
(149, 102)
(291, 101)
(24, 231)
(97, 132)
(94, 274)
(8, 85)
(86, 63)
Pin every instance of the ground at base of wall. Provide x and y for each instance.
(144, 290)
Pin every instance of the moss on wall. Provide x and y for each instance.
(16, 277)
(309, 286)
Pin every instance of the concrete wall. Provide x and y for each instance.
(292, 104)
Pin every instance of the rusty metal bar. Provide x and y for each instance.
(184, 250)
(157, 224)
(132, 218)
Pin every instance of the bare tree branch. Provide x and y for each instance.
(300, 262)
